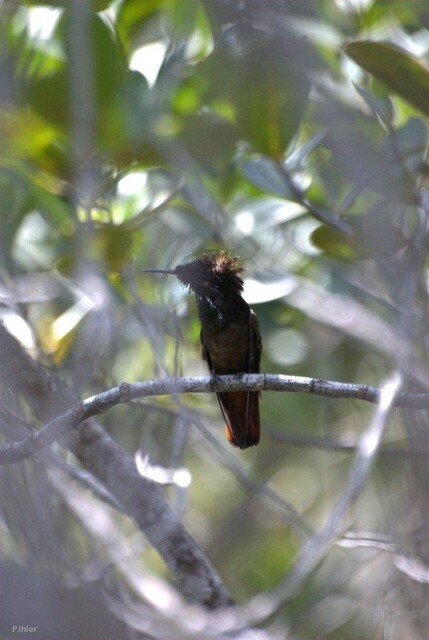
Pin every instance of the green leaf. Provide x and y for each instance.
(298, 156)
(381, 107)
(374, 236)
(121, 97)
(14, 204)
(264, 93)
(396, 68)
(56, 211)
(210, 139)
(124, 119)
(23, 135)
(334, 243)
(271, 97)
(50, 94)
(108, 61)
(407, 145)
(133, 15)
(98, 5)
(356, 158)
(111, 245)
(264, 174)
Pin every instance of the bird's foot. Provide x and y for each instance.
(214, 380)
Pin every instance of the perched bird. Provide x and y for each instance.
(230, 336)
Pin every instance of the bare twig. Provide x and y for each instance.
(100, 403)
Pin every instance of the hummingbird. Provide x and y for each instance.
(230, 336)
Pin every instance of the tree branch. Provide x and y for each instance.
(100, 403)
(140, 498)
(317, 546)
(143, 500)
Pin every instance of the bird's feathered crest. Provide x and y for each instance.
(211, 271)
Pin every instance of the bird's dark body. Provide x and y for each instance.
(233, 345)
(230, 337)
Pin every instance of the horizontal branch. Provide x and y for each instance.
(247, 382)
(100, 403)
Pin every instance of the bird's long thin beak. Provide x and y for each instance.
(170, 271)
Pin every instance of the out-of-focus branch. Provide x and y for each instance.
(140, 498)
(353, 319)
(317, 547)
(160, 611)
(100, 403)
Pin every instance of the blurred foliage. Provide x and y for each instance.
(184, 126)
(397, 69)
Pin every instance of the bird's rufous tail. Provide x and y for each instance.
(241, 412)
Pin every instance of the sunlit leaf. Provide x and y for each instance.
(121, 98)
(23, 135)
(398, 69)
(133, 15)
(51, 94)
